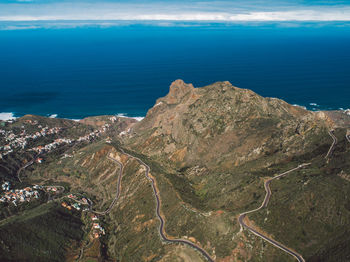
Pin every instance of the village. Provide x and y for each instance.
(49, 147)
(26, 194)
(97, 229)
(20, 141)
(76, 202)
(16, 196)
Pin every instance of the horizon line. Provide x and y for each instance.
(176, 20)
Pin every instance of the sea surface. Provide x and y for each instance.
(122, 69)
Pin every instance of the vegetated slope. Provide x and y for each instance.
(30, 125)
(310, 210)
(221, 126)
(119, 123)
(87, 170)
(215, 143)
(131, 226)
(209, 150)
(219, 139)
(67, 129)
(44, 233)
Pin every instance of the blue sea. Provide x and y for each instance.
(82, 71)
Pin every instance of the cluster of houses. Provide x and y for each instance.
(113, 119)
(60, 141)
(18, 195)
(13, 141)
(6, 186)
(78, 202)
(97, 229)
(127, 132)
(51, 189)
(94, 134)
(70, 206)
(32, 122)
(48, 147)
(81, 200)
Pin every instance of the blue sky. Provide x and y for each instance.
(179, 10)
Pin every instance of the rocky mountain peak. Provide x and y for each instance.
(178, 90)
(195, 125)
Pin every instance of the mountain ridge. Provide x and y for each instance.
(214, 117)
(209, 151)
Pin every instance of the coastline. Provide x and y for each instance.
(6, 116)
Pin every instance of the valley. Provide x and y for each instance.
(216, 173)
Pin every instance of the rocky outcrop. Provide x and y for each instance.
(208, 125)
(178, 90)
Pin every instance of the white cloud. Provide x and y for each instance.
(166, 12)
(253, 16)
(15, 27)
(300, 15)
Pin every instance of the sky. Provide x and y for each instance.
(178, 10)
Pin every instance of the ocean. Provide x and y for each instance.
(74, 72)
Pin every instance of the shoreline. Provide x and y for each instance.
(8, 116)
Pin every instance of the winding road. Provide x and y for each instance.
(264, 204)
(115, 199)
(241, 217)
(36, 157)
(162, 232)
(335, 141)
(24, 167)
(117, 194)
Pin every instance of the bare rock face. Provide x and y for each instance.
(178, 90)
(222, 126)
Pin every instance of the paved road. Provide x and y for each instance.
(37, 156)
(103, 213)
(52, 197)
(264, 204)
(24, 167)
(161, 219)
(335, 141)
(32, 162)
(117, 194)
